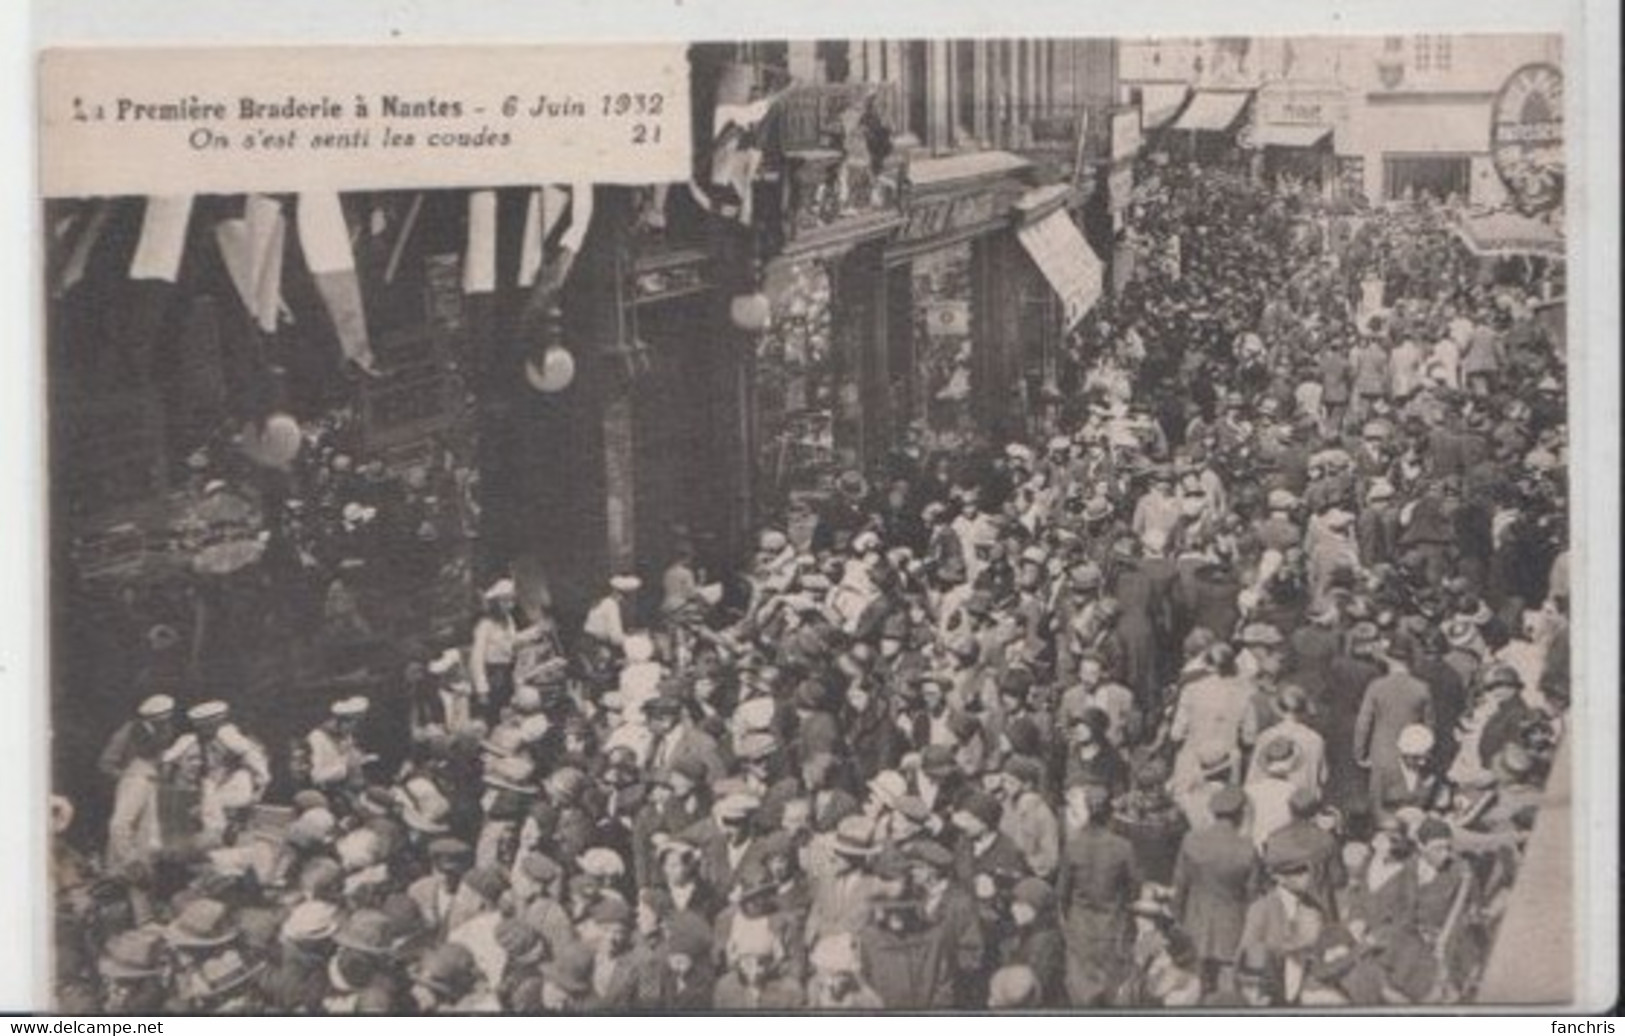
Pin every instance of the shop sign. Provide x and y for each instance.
(1526, 137)
(1301, 107)
(1120, 187)
(936, 217)
(1125, 133)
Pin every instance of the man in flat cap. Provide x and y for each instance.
(1285, 924)
(1216, 874)
(442, 901)
(1391, 703)
(1097, 882)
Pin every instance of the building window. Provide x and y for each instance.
(1410, 177)
(1441, 53)
(1431, 53)
(1394, 44)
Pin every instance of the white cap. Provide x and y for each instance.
(155, 706)
(208, 710)
(500, 588)
(626, 584)
(347, 707)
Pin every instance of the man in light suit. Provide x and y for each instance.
(441, 898)
(677, 739)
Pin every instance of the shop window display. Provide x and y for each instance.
(804, 433)
(943, 339)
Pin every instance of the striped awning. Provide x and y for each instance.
(1213, 111)
(1509, 233)
(1160, 102)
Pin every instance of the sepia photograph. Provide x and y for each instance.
(1047, 524)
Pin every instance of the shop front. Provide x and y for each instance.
(1294, 132)
(831, 201)
(959, 292)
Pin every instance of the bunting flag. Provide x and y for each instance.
(84, 231)
(725, 188)
(480, 259)
(545, 211)
(727, 172)
(251, 247)
(163, 238)
(325, 238)
(154, 269)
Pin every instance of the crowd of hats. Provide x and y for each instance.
(962, 744)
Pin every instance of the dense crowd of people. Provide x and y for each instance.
(1238, 684)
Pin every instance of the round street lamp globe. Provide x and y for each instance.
(555, 372)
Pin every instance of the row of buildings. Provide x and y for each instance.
(1378, 116)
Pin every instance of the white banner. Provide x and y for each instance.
(233, 120)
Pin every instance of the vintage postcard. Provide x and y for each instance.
(1027, 523)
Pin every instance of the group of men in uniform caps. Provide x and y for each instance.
(1059, 726)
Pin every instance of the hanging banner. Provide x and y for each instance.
(233, 120)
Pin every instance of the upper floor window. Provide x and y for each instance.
(1431, 53)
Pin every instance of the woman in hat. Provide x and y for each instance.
(1213, 715)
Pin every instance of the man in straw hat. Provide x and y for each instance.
(842, 896)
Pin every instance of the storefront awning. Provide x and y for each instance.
(1509, 233)
(1212, 111)
(1290, 136)
(1159, 103)
(1067, 262)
